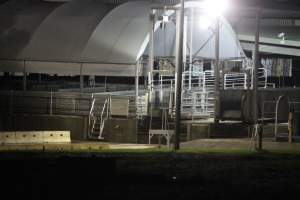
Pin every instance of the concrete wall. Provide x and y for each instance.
(120, 130)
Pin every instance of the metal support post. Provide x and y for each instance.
(191, 47)
(137, 81)
(179, 64)
(255, 83)
(151, 51)
(217, 71)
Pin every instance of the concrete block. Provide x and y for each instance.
(8, 138)
(57, 137)
(29, 137)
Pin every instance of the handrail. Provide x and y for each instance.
(102, 119)
(91, 114)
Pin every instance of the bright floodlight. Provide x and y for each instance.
(205, 22)
(215, 8)
(165, 18)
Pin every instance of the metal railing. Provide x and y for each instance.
(192, 80)
(208, 80)
(92, 120)
(103, 117)
(235, 81)
(45, 103)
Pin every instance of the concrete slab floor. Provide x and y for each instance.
(243, 143)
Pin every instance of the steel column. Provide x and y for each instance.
(256, 66)
(191, 47)
(255, 84)
(151, 50)
(217, 70)
(179, 66)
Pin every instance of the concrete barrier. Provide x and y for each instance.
(8, 138)
(32, 137)
(57, 137)
(35, 137)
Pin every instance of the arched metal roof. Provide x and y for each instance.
(18, 21)
(96, 38)
(64, 33)
(120, 35)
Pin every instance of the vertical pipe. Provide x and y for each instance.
(217, 71)
(191, 47)
(179, 63)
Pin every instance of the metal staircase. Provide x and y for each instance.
(99, 113)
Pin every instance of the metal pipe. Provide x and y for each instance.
(191, 47)
(179, 63)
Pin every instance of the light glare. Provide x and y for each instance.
(205, 22)
(165, 18)
(215, 8)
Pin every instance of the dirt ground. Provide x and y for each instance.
(150, 175)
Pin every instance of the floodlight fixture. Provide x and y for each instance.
(165, 18)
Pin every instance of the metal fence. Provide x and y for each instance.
(50, 103)
(53, 103)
